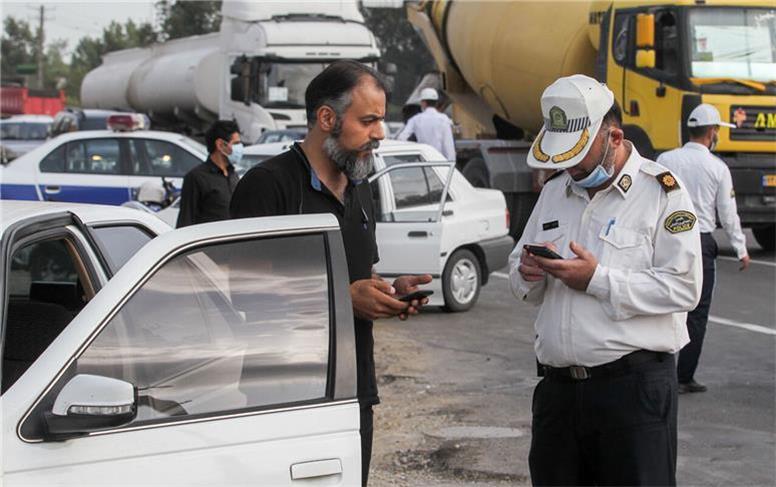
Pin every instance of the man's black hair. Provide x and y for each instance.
(332, 87)
(221, 129)
(613, 117)
(699, 132)
(431, 103)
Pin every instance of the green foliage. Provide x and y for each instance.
(17, 46)
(188, 18)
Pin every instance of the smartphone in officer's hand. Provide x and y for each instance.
(542, 251)
(416, 296)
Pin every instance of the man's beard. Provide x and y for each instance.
(349, 161)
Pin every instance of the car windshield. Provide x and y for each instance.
(283, 84)
(270, 137)
(737, 43)
(23, 130)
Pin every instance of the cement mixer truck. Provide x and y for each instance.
(254, 70)
(660, 58)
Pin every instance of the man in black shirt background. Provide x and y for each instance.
(207, 189)
(327, 173)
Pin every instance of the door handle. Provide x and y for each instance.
(52, 189)
(448, 213)
(318, 468)
(418, 234)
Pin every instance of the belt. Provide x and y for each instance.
(620, 366)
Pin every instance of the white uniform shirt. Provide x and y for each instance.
(432, 128)
(647, 277)
(708, 180)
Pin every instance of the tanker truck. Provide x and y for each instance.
(254, 70)
(660, 58)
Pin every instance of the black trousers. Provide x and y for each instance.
(617, 430)
(699, 317)
(366, 430)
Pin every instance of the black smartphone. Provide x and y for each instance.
(417, 295)
(542, 251)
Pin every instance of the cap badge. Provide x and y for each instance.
(558, 119)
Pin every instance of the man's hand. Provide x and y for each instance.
(529, 268)
(374, 299)
(409, 284)
(575, 273)
(745, 260)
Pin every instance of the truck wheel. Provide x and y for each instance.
(477, 173)
(461, 281)
(765, 236)
(520, 211)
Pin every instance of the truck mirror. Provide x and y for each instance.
(645, 30)
(645, 58)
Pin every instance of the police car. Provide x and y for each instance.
(102, 166)
(130, 358)
(430, 219)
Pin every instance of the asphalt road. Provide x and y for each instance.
(456, 389)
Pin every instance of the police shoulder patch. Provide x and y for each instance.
(667, 181)
(680, 221)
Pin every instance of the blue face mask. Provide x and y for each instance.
(599, 175)
(237, 153)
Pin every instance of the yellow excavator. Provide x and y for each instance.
(660, 58)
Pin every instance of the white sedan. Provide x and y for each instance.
(181, 358)
(430, 220)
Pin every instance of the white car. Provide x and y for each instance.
(99, 166)
(181, 359)
(429, 220)
(22, 133)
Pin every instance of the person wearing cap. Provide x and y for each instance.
(430, 126)
(708, 180)
(613, 307)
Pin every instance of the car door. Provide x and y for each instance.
(85, 171)
(409, 207)
(154, 159)
(209, 358)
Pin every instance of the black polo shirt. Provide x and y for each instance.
(206, 194)
(285, 185)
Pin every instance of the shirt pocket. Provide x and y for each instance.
(625, 248)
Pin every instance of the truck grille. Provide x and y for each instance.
(753, 123)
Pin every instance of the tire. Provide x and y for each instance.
(461, 281)
(765, 236)
(476, 172)
(520, 211)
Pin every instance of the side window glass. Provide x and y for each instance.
(166, 159)
(409, 187)
(44, 294)
(55, 161)
(249, 328)
(391, 159)
(667, 39)
(435, 186)
(94, 156)
(119, 243)
(621, 47)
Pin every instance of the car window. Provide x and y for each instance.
(416, 186)
(54, 161)
(94, 123)
(93, 156)
(44, 294)
(393, 159)
(165, 159)
(222, 328)
(23, 130)
(119, 243)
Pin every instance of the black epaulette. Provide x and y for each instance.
(553, 176)
(667, 181)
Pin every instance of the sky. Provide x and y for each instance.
(72, 20)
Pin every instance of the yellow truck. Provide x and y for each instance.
(660, 58)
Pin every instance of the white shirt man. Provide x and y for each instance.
(612, 308)
(430, 126)
(710, 185)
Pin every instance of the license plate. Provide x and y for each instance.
(769, 180)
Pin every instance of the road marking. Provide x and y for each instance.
(500, 274)
(761, 262)
(745, 326)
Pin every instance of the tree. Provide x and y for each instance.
(400, 45)
(17, 46)
(187, 18)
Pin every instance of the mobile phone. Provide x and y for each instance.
(542, 251)
(417, 295)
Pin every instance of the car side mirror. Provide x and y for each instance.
(90, 403)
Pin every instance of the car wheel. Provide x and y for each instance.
(461, 281)
(765, 236)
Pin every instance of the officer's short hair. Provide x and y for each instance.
(221, 129)
(334, 85)
(613, 117)
(699, 132)
(431, 103)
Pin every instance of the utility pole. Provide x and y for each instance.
(40, 46)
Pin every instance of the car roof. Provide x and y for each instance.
(28, 118)
(13, 211)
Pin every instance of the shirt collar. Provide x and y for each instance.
(315, 182)
(696, 146)
(213, 167)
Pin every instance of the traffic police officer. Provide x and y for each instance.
(708, 180)
(430, 126)
(613, 308)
